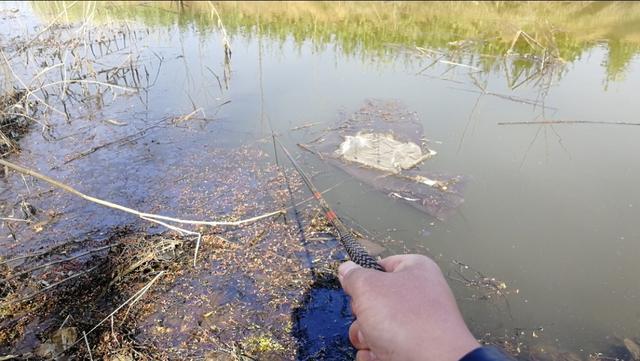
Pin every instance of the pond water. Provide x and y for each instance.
(550, 208)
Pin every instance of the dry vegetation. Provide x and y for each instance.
(63, 72)
(14, 123)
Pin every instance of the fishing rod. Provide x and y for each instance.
(356, 252)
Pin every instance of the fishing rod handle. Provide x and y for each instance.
(358, 254)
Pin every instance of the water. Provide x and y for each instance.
(550, 209)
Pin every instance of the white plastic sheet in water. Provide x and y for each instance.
(382, 151)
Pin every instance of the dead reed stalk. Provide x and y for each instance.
(155, 218)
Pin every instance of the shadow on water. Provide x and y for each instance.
(321, 322)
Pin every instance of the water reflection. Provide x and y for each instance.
(487, 31)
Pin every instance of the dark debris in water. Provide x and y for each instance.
(13, 123)
(251, 295)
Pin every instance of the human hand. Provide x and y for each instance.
(406, 313)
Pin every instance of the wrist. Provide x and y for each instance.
(446, 349)
(463, 347)
(486, 353)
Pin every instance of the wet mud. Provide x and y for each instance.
(251, 294)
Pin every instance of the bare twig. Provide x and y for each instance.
(124, 139)
(59, 261)
(308, 149)
(24, 256)
(459, 64)
(51, 23)
(567, 122)
(27, 89)
(146, 216)
(75, 275)
(225, 37)
(86, 341)
(136, 296)
(304, 126)
(188, 116)
(509, 97)
(86, 81)
(9, 219)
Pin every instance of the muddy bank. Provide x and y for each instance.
(72, 268)
(245, 298)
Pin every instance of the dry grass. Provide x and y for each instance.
(61, 69)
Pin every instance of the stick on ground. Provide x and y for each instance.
(155, 218)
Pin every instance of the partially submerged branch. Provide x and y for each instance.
(53, 285)
(568, 122)
(59, 261)
(155, 218)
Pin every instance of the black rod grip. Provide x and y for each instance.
(358, 254)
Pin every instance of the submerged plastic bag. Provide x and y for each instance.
(382, 151)
(383, 145)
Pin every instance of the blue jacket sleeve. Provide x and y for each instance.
(486, 353)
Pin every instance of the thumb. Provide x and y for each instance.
(345, 273)
(345, 268)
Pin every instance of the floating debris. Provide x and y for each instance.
(382, 144)
(551, 353)
(382, 151)
(487, 288)
(14, 121)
